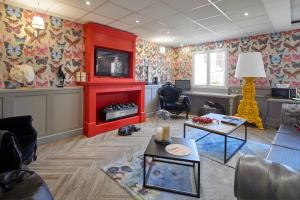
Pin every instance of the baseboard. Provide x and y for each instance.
(59, 136)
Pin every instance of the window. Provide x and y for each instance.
(209, 69)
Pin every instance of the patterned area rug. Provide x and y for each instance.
(212, 146)
(216, 179)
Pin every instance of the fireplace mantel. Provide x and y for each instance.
(97, 35)
(102, 91)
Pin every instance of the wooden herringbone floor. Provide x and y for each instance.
(72, 167)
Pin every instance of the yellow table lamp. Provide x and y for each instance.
(249, 66)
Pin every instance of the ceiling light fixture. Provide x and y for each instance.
(137, 21)
(88, 3)
(37, 21)
(162, 50)
(246, 14)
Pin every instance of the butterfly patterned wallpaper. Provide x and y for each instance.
(281, 56)
(59, 45)
(148, 55)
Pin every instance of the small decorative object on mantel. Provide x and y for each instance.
(61, 76)
(162, 127)
(178, 150)
(155, 80)
(81, 77)
(20, 76)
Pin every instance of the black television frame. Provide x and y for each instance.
(97, 74)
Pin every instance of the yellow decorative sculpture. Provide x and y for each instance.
(248, 108)
(249, 66)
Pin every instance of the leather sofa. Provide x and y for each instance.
(278, 176)
(285, 148)
(260, 179)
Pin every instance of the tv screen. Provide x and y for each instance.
(111, 63)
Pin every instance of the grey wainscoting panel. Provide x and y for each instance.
(148, 100)
(1, 108)
(67, 111)
(155, 99)
(151, 99)
(34, 105)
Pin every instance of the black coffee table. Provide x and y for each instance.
(158, 153)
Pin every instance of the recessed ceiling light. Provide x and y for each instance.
(137, 21)
(168, 32)
(88, 3)
(246, 14)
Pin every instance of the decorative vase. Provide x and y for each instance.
(162, 127)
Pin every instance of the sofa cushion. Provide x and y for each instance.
(290, 113)
(287, 140)
(288, 129)
(286, 156)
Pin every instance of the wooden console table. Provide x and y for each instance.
(231, 97)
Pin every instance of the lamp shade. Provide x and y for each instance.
(250, 65)
(38, 22)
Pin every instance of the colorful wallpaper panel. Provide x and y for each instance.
(59, 45)
(148, 56)
(281, 55)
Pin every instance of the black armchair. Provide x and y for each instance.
(16, 181)
(25, 133)
(172, 100)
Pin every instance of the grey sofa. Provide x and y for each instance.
(285, 148)
(277, 177)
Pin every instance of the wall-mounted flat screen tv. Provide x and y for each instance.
(111, 63)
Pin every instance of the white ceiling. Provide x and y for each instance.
(176, 22)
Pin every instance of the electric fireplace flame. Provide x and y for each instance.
(118, 111)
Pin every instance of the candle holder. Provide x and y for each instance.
(162, 127)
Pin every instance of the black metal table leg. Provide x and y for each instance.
(144, 171)
(225, 149)
(198, 186)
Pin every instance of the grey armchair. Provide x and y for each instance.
(260, 179)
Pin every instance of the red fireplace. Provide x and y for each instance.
(101, 91)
